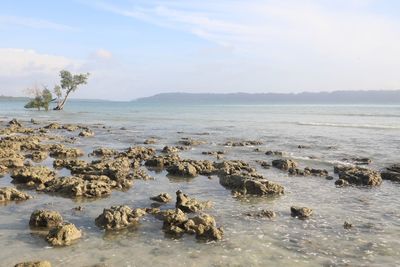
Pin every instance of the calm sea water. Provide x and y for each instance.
(332, 132)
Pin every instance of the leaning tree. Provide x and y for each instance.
(69, 83)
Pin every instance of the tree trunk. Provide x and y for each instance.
(60, 106)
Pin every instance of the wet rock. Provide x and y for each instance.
(163, 198)
(116, 217)
(139, 153)
(358, 161)
(65, 152)
(247, 184)
(70, 127)
(104, 152)
(262, 214)
(10, 159)
(182, 169)
(38, 156)
(264, 164)
(191, 142)
(243, 143)
(358, 176)
(204, 227)
(308, 171)
(12, 194)
(274, 153)
(63, 235)
(14, 122)
(329, 178)
(341, 183)
(174, 221)
(303, 146)
(164, 161)
(284, 164)
(347, 225)
(78, 187)
(53, 126)
(45, 218)
(34, 174)
(69, 164)
(170, 149)
(150, 141)
(86, 133)
(301, 212)
(3, 170)
(33, 264)
(233, 167)
(187, 204)
(392, 173)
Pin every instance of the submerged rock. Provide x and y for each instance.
(63, 235)
(347, 225)
(262, 214)
(38, 156)
(187, 204)
(34, 174)
(274, 153)
(301, 212)
(163, 198)
(191, 142)
(12, 194)
(284, 164)
(392, 173)
(33, 264)
(150, 141)
(116, 217)
(45, 218)
(104, 152)
(243, 143)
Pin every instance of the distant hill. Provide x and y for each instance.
(336, 97)
(2, 97)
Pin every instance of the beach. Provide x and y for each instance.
(208, 147)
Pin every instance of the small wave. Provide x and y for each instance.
(320, 160)
(341, 125)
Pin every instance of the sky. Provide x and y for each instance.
(137, 48)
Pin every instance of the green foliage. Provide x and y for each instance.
(41, 100)
(69, 82)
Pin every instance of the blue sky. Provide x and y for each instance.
(139, 48)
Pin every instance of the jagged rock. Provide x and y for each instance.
(341, 183)
(358, 161)
(86, 133)
(392, 173)
(170, 149)
(65, 152)
(347, 225)
(243, 143)
(70, 127)
(204, 227)
(35, 174)
(284, 164)
(301, 212)
(14, 122)
(53, 126)
(264, 164)
(150, 141)
(37, 156)
(191, 142)
(174, 221)
(104, 152)
(187, 204)
(63, 235)
(116, 217)
(358, 176)
(139, 153)
(12, 194)
(33, 264)
(3, 170)
(183, 169)
(163, 198)
(274, 153)
(233, 167)
(163, 161)
(247, 184)
(45, 218)
(79, 187)
(308, 171)
(70, 164)
(262, 214)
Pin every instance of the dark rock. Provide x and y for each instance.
(392, 173)
(12, 194)
(34, 174)
(359, 176)
(284, 164)
(262, 214)
(45, 218)
(163, 198)
(301, 212)
(347, 225)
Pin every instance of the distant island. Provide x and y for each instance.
(2, 97)
(335, 97)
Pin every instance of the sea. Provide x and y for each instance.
(317, 136)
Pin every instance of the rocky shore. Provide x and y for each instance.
(25, 146)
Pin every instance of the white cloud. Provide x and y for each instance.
(35, 23)
(103, 54)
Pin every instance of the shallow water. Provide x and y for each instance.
(332, 132)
